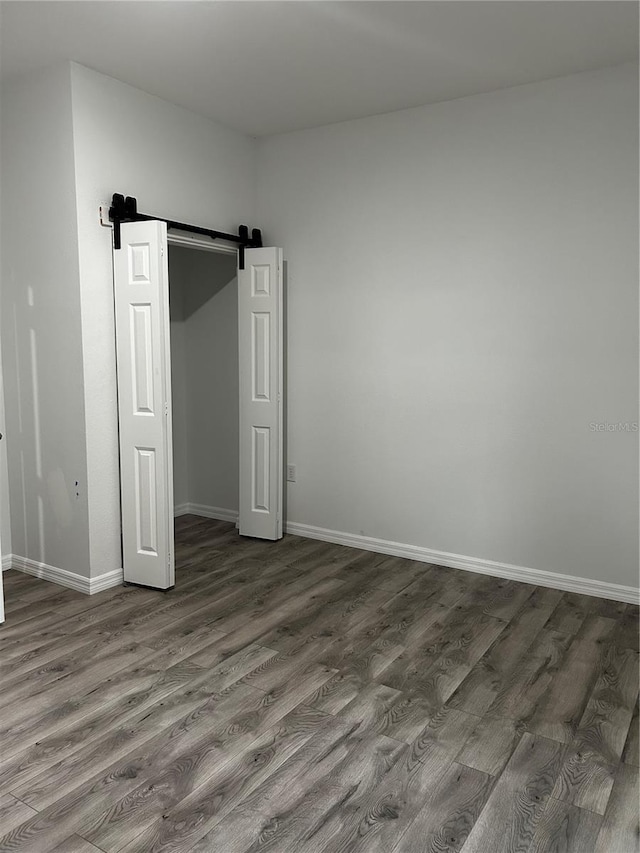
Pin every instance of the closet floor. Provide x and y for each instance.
(304, 697)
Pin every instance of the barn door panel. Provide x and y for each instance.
(144, 403)
(260, 335)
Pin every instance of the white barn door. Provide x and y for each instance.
(141, 283)
(260, 336)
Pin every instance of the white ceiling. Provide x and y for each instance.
(271, 67)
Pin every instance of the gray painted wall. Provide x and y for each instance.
(462, 306)
(42, 325)
(5, 510)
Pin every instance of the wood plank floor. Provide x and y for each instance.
(303, 697)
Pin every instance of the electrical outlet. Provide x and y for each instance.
(291, 473)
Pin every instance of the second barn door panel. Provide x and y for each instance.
(260, 337)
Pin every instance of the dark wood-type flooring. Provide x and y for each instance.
(303, 697)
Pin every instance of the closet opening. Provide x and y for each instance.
(203, 321)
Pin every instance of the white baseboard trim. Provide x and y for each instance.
(219, 513)
(89, 586)
(106, 580)
(6, 562)
(539, 577)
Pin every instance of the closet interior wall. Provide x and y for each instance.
(203, 301)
